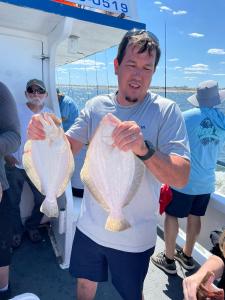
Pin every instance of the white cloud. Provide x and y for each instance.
(158, 2)
(179, 12)
(216, 51)
(62, 71)
(196, 69)
(190, 77)
(165, 8)
(89, 63)
(178, 68)
(173, 59)
(219, 74)
(196, 35)
(193, 72)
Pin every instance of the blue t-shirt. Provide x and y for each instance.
(69, 112)
(206, 133)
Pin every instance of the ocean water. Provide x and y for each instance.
(82, 94)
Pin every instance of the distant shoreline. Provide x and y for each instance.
(153, 88)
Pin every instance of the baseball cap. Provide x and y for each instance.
(37, 82)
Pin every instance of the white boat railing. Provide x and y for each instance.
(214, 219)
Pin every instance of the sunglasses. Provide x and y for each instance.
(151, 35)
(35, 91)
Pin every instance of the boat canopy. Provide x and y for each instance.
(91, 29)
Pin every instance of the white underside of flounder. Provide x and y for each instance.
(111, 175)
(49, 164)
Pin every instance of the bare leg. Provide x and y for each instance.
(4, 276)
(170, 234)
(192, 232)
(86, 289)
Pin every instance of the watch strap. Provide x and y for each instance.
(151, 151)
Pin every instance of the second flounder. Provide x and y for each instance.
(111, 175)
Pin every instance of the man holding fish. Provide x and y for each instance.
(152, 129)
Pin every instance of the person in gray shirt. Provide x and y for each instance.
(152, 128)
(9, 142)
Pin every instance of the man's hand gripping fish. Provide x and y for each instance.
(49, 163)
(111, 175)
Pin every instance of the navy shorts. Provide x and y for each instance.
(92, 261)
(183, 205)
(5, 230)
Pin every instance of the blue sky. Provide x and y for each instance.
(195, 31)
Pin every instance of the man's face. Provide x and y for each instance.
(36, 95)
(134, 75)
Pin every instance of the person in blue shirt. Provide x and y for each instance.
(206, 132)
(68, 110)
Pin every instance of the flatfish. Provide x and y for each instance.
(49, 163)
(112, 176)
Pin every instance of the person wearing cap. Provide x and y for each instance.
(206, 132)
(36, 96)
(68, 109)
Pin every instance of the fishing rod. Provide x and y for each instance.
(165, 70)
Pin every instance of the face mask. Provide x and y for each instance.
(36, 100)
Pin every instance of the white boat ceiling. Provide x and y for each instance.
(101, 32)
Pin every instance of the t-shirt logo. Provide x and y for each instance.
(207, 132)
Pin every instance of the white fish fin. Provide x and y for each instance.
(29, 167)
(71, 167)
(116, 224)
(87, 180)
(49, 207)
(139, 172)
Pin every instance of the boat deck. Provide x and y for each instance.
(35, 270)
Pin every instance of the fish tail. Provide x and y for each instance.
(49, 207)
(116, 224)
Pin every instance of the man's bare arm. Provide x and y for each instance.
(171, 169)
(75, 145)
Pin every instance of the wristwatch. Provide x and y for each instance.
(151, 151)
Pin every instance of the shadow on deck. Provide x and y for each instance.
(35, 269)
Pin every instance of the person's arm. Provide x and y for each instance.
(171, 169)
(9, 123)
(190, 284)
(75, 145)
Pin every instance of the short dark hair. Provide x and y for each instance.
(144, 40)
